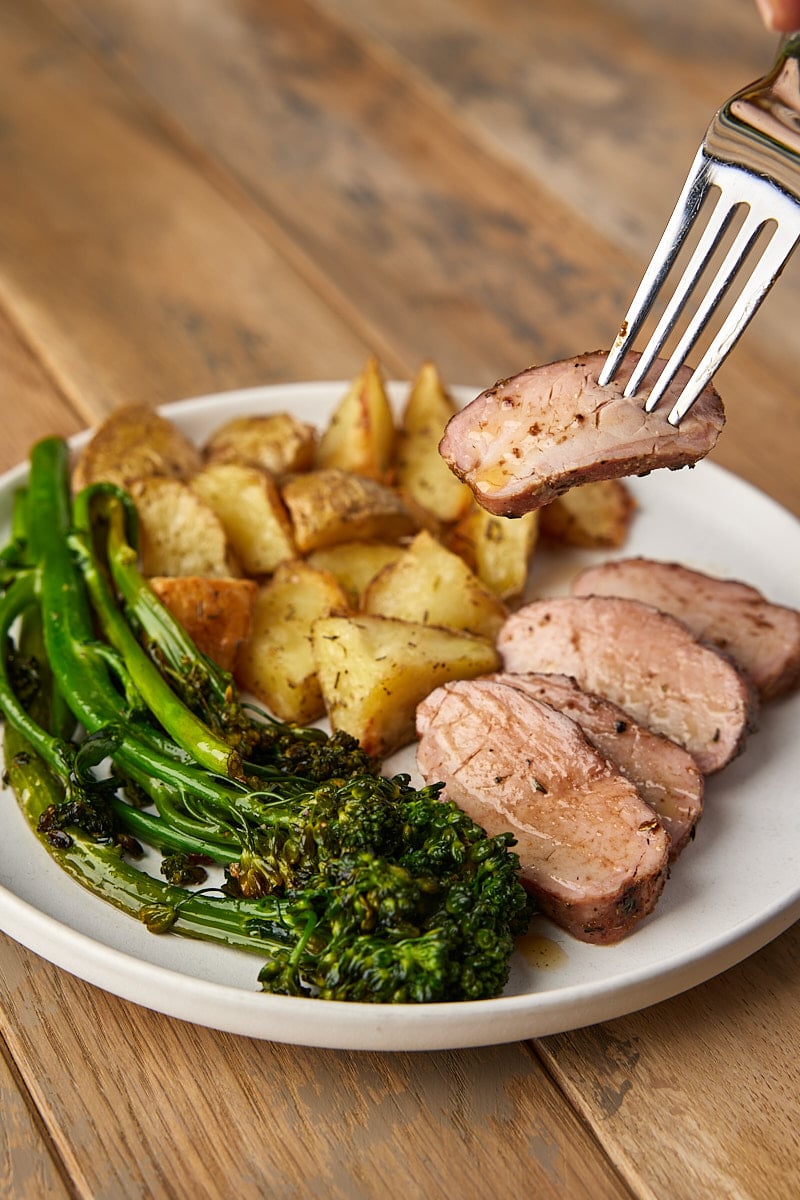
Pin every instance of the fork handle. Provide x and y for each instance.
(766, 114)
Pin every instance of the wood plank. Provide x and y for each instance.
(699, 1096)
(131, 276)
(451, 252)
(27, 1170)
(611, 126)
(457, 253)
(604, 123)
(180, 1108)
(39, 409)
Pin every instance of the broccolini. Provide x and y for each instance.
(350, 885)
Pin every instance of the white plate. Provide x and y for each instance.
(733, 890)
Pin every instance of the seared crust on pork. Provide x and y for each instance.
(666, 775)
(529, 438)
(646, 661)
(591, 851)
(762, 638)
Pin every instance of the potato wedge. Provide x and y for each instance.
(135, 442)
(355, 564)
(216, 613)
(498, 549)
(595, 515)
(432, 585)
(374, 671)
(249, 505)
(278, 665)
(360, 434)
(331, 506)
(422, 474)
(179, 533)
(277, 442)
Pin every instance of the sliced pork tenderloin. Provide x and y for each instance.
(526, 440)
(646, 661)
(591, 851)
(761, 637)
(666, 775)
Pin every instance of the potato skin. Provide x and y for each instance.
(135, 442)
(216, 613)
(359, 438)
(275, 442)
(330, 506)
(595, 516)
(422, 476)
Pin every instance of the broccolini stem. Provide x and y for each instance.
(157, 832)
(19, 598)
(78, 663)
(154, 619)
(253, 925)
(189, 732)
(13, 554)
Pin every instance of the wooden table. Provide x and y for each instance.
(206, 195)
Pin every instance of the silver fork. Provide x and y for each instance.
(751, 154)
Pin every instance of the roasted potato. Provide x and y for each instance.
(422, 474)
(372, 575)
(498, 549)
(430, 584)
(355, 564)
(330, 506)
(135, 442)
(595, 515)
(216, 613)
(179, 533)
(279, 665)
(360, 434)
(374, 671)
(277, 442)
(249, 505)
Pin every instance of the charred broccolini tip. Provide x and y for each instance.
(372, 930)
(351, 886)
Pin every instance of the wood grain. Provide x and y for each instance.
(604, 130)
(175, 1102)
(454, 255)
(699, 1095)
(27, 1170)
(133, 277)
(38, 407)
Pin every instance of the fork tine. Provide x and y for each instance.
(758, 284)
(722, 280)
(683, 215)
(718, 223)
